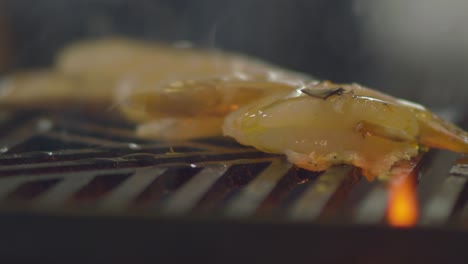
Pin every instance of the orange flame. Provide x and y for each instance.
(402, 209)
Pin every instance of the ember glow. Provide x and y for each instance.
(402, 208)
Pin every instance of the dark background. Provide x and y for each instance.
(325, 38)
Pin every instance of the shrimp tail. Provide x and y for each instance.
(437, 133)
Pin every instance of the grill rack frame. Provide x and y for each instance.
(96, 146)
(100, 147)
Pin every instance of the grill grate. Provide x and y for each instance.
(95, 165)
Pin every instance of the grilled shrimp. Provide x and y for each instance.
(180, 94)
(323, 124)
(315, 125)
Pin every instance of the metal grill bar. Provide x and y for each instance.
(83, 138)
(439, 190)
(434, 172)
(440, 206)
(252, 195)
(372, 209)
(25, 131)
(460, 170)
(126, 192)
(63, 191)
(148, 151)
(311, 203)
(70, 183)
(190, 193)
(136, 160)
(134, 164)
(9, 185)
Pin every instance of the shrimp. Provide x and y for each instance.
(324, 124)
(316, 125)
(178, 94)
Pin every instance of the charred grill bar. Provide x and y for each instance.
(90, 181)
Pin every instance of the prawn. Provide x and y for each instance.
(316, 125)
(178, 94)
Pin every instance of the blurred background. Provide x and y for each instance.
(413, 49)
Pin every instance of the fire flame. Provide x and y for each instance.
(402, 208)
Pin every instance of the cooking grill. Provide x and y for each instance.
(87, 180)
